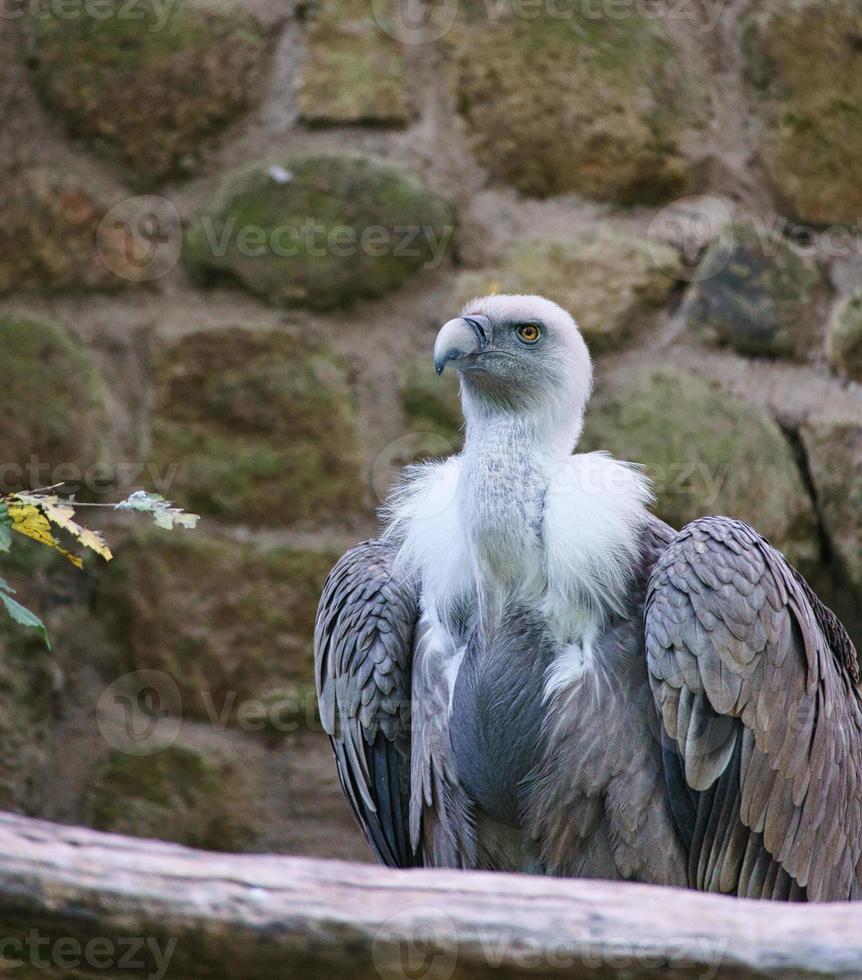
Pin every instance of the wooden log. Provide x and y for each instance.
(77, 903)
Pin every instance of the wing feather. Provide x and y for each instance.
(756, 683)
(363, 648)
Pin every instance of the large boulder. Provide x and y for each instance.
(180, 794)
(833, 445)
(844, 337)
(257, 426)
(754, 292)
(587, 103)
(153, 88)
(55, 407)
(607, 280)
(706, 452)
(804, 61)
(320, 230)
(230, 624)
(353, 71)
(52, 237)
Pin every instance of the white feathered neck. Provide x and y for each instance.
(592, 510)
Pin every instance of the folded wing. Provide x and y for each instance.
(756, 683)
(363, 649)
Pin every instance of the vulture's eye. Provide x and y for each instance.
(528, 332)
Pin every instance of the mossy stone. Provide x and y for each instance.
(51, 239)
(587, 103)
(26, 710)
(754, 292)
(229, 623)
(707, 453)
(179, 794)
(844, 337)
(150, 89)
(55, 407)
(607, 280)
(258, 427)
(353, 71)
(320, 230)
(833, 446)
(804, 62)
(431, 403)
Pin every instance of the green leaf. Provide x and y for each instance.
(21, 614)
(5, 527)
(164, 514)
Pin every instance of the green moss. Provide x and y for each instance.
(603, 117)
(834, 449)
(50, 235)
(325, 231)
(258, 426)
(607, 280)
(754, 293)
(229, 623)
(177, 795)
(805, 67)
(707, 453)
(844, 337)
(54, 405)
(432, 403)
(353, 71)
(150, 89)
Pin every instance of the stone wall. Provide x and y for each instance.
(228, 233)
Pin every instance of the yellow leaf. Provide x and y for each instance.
(95, 542)
(62, 514)
(27, 519)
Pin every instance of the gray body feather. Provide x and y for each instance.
(717, 743)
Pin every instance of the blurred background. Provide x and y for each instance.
(228, 233)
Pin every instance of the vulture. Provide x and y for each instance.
(528, 671)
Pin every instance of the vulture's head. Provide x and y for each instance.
(521, 355)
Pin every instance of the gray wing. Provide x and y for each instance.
(363, 648)
(756, 683)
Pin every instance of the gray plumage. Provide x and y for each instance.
(530, 673)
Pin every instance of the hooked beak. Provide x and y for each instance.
(459, 339)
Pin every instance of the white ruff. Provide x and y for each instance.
(594, 511)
